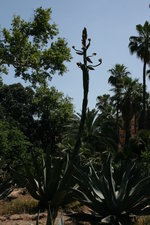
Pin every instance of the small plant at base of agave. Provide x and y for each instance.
(6, 188)
(6, 184)
(113, 202)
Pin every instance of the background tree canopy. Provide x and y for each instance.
(30, 48)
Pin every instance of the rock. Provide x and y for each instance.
(16, 193)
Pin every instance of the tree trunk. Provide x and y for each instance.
(127, 134)
(144, 96)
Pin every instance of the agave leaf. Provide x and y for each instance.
(98, 193)
(37, 218)
(5, 189)
(145, 211)
(50, 219)
(139, 208)
(98, 207)
(61, 222)
(32, 191)
(138, 191)
(124, 182)
(125, 188)
(84, 182)
(80, 196)
(67, 163)
(39, 174)
(109, 184)
(90, 198)
(30, 179)
(54, 178)
(94, 172)
(88, 191)
(48, 168)
(109, 199)
(44, 173)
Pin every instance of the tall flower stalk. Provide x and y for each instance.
(85, 73)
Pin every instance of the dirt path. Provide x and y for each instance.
(26, 219)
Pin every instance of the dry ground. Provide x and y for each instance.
(20, 208)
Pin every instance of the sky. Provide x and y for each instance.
(109, 24)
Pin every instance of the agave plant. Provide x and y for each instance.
(6, 183)
(113, 200)
(47, 184)
(5, 189)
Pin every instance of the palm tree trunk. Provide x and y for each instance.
(144, 96)
(117, 125)
(135, 123)
(127, 134)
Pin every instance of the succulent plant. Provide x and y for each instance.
(48, 184)
(111, 200)
(5, 189)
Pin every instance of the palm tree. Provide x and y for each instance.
(105, 106)
(107, 123)
(130, 105)
(141, 46)
(116, 79)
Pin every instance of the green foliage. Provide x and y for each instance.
(52, 112)
(6, 182)
(40, 114)
(13, 145)
(52, 103)
(139, 146)
(140, 45)
(107, 123)
(113, 197)
(26, 47)
(16, 106)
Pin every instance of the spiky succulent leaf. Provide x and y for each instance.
(106, 196)
(5, 189)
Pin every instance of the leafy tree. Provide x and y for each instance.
(141, 46)
(14, 146)
(52, 112)
(16, 107)
(30, 49)
(40, 114)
